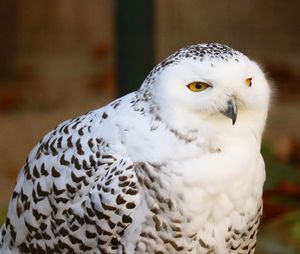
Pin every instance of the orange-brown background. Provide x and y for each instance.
(57, 60)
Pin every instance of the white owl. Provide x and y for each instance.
(174, 167)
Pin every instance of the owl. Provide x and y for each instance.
(174, 167)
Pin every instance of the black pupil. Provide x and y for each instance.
(198, 86)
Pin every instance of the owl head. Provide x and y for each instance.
(210, 84)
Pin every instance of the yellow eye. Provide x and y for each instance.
(249, 82)
(197, 86)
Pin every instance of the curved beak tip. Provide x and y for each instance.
(233, 120)
(231, 110)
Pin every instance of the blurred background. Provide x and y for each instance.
(61, 58)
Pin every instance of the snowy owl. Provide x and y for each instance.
(174, 167)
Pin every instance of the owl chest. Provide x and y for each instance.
(188, 219)
(225, 222)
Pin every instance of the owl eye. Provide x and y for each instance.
(249, 82)
(197, 86)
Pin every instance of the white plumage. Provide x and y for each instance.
(161, 170)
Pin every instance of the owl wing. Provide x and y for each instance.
(72, 195)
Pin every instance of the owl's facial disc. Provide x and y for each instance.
(231, 110)
(205, 82)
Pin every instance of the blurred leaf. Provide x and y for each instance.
(280, 236)
(11, 98)
(277, 171)
(3, 212)
(103, 82)
(296, 229)
(101, 51)
(282, 187)
(287, 150)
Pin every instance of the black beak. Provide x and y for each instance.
(231, 110)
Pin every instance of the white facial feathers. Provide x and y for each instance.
(225, 70)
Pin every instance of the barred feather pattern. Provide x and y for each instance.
(161, 170)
